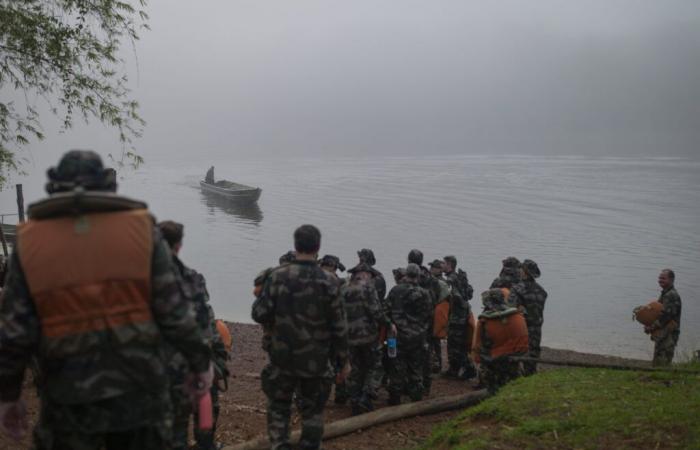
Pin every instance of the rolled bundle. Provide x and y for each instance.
(647, 314)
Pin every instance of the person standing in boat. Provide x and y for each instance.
(210, 176)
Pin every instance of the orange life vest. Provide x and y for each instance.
(441, 320)
(225, 335)
(90, 272)
(508, 334)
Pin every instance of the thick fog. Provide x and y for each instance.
(360, 77)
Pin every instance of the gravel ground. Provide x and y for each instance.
(243, 405)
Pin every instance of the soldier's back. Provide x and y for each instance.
(306, 309)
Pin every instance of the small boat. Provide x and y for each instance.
(233, 191)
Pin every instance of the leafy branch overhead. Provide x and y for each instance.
(66, 53)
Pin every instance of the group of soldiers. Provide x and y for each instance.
(124, 347)
(322, 330)
(116, 329)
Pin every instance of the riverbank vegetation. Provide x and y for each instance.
(582, 409)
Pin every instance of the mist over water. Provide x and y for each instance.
(599, 228)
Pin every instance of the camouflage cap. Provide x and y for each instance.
(493, 299)
(399, 274)
(332, 261)
(511, 261)
(435, 263)
(531, 268)
(412, 270)
(80, 168)
(367, 256)
(415, 256)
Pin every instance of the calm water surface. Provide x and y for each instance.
(600, 229)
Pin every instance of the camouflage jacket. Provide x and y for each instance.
(379, 281)
(672, 307)
(363, 311)
(411, 311)
(428, 282)
(127, 395)
(300, 306)
(193, 287)
(459, 305)
(530, 297)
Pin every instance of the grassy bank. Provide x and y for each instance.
(582, 409)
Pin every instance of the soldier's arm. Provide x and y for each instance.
(375, 308)
(671, 309)
(19, 331)
(173, 313)
(264, 305)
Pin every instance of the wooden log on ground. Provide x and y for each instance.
(378, 417)
(554, 362)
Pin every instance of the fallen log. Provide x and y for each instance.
(378, 417)
(555, 362)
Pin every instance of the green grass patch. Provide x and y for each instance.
(582, 409)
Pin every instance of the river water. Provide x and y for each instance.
(599, 228)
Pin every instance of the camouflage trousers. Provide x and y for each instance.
(406, 372)
(182, 410)
(136, 420)
(365, 360)
(664, 348)
(205, 438)
(138, 439)
(457, 352)
(428, 368)
(313, 394)
(436, 353)
(496, 373)
(534, 336)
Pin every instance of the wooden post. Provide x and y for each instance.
(20, 203)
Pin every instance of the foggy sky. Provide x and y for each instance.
(361, 77)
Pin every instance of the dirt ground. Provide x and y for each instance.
(243, 405)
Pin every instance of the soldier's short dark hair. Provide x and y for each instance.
(172, 232)
(671, 274)
(307, 239)
(415, 256)
(451, 260)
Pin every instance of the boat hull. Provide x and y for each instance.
(246, 194)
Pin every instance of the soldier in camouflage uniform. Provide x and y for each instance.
(666, 330)
(510, 274)
(431, 285)
(104, 383)
(460, 363)
(495, 368)
(530, 297)
(300, 306)
(443, 295)
(193, 287)
(410, 311)
(332, 264)
(367, 257)
(364, 317)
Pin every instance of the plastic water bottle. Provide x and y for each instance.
(206, 419)
(391, 343)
